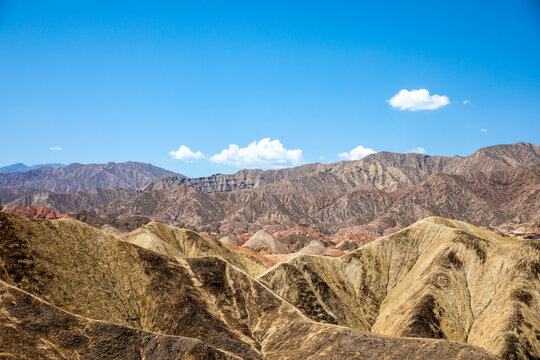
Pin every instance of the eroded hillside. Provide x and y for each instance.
(138, 294)
(436, 278)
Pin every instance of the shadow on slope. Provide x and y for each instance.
(437, 278)
(87, 272)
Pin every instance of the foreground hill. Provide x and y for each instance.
(31, 328)
(137, 294)
(437, 278)
(75, 177)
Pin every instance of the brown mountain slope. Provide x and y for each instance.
(437, 278)
(491, 198)
(86, 272)
(13, 193)
(485, 199)
(75, 177)
(176, 242)
(263, 241)
(74, 201)
(33, 212)
(31, 328)
(384, 171)
(494, 158)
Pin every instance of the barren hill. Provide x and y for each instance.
(266, 242)
(383, 171)
(437, 278)
(74, 201)
(137, 294)
(491, 198)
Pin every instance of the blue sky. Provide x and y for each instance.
(136, 80)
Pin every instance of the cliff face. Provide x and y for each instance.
(138, 293)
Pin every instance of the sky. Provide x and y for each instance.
(205, 87)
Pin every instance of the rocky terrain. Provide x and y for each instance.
(485, 199)
(36, 212)
(383, 171)
(10, 194)
(76, 177)
(74, 201)
(437, 279)
(70, 290)
(495, 187)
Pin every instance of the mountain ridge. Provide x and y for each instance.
(76, 176)
(20, 167)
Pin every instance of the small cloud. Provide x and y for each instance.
(357, 153)
(264, 152)
(484, 130)
(55, 148)
(418, 150)
(466, 102)
(184, 153)
(415, 100)
(323, 159)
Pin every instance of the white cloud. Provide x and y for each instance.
(184, 153)
(466, 102)
(484, 130)
(417, 100)
(418, 150)
(357, 153)
(265, 152)
(55, 148)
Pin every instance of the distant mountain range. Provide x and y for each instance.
(381, 193)
(77, 177)
(20, 167)
(383, 171)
